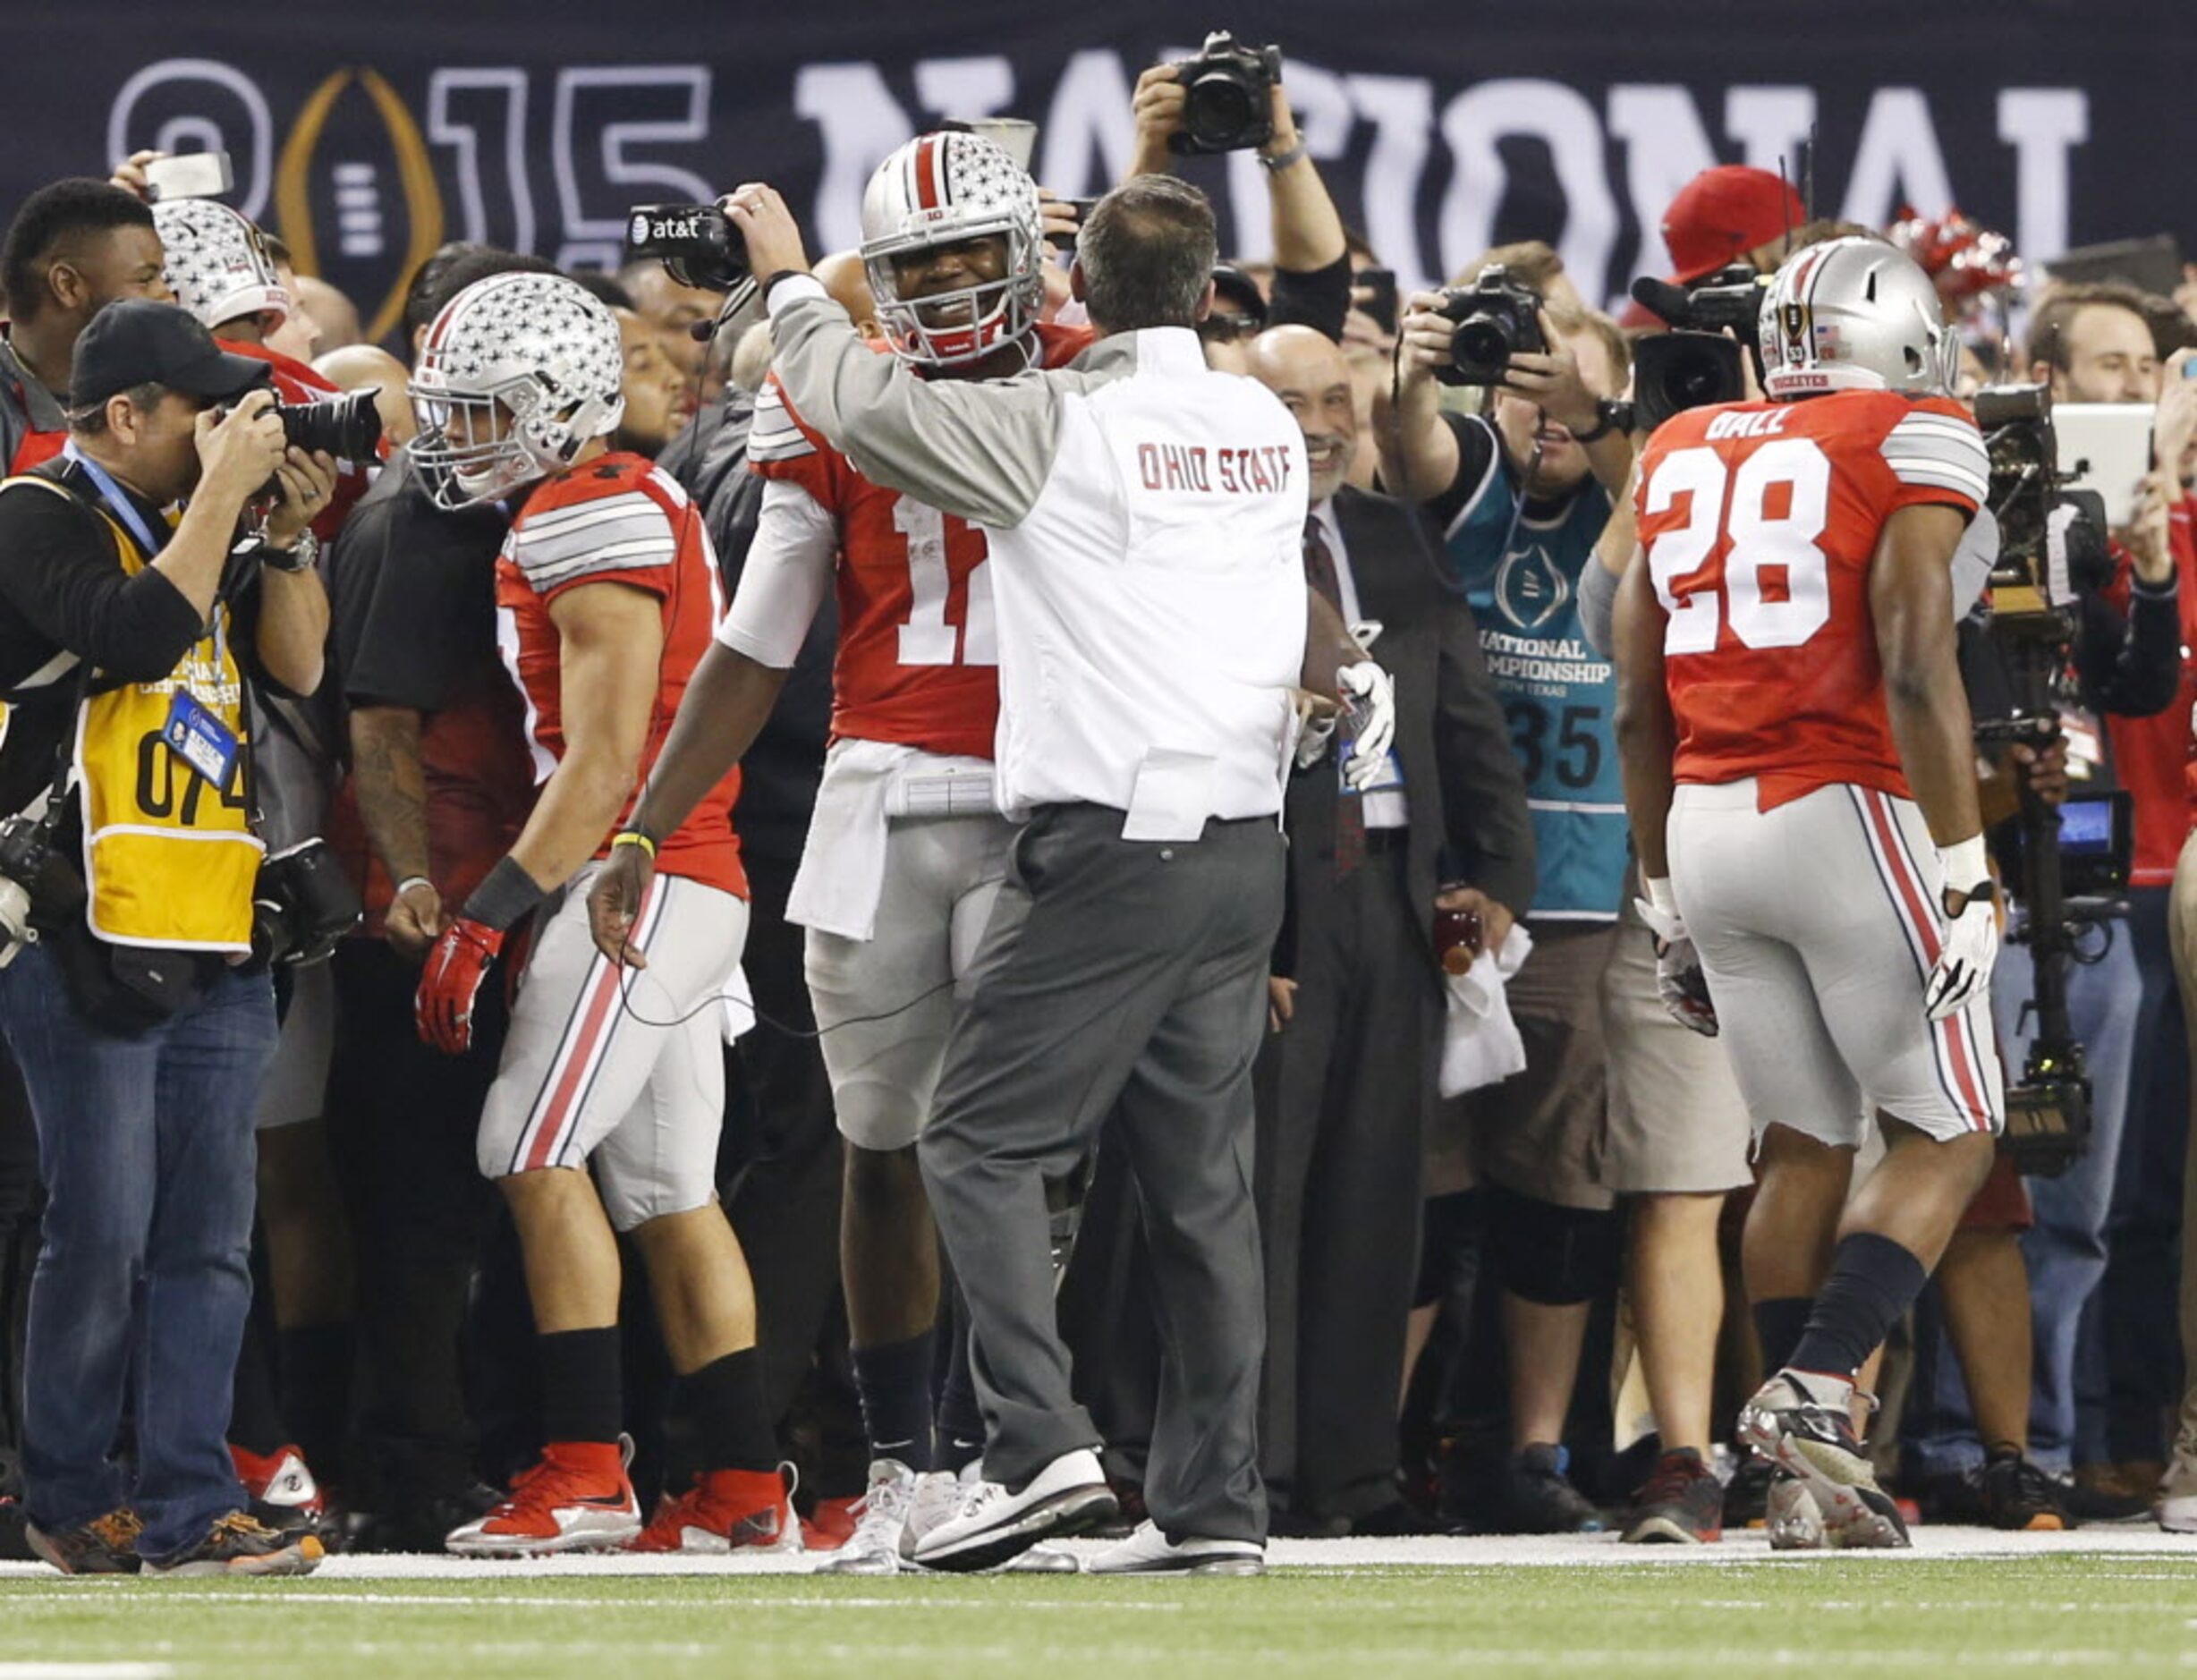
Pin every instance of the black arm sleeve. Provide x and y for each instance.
(68, 590)
(1318, 297)
(1490, 833)
(1477, 457)
(2131, 666)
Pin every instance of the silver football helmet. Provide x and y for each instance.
(219, 264)
(939, 189)
(1855, 314)
(518, 371)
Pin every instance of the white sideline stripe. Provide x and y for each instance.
(22, 1584)
(86, 1670)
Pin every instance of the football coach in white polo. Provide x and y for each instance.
(1146, 522)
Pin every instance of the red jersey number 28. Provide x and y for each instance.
(1774, 507)
(928, 637)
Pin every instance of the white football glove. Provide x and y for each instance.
(1680, 982)
(1314, 738)
(1965, 962)
(1369, 696)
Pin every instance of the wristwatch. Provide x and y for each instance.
(1609, 414)
(299, 556)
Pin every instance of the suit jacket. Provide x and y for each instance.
(1467, 799)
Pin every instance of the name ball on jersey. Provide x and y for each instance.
(1259, 470)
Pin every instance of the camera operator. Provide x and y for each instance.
(2087, 342)
(2091, 344)
(1311, 262)
(74, 247)
(141, 1034)
(1521, 494)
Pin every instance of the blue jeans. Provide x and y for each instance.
(147, 1152)
(2142, 1363)
(2065, 1249)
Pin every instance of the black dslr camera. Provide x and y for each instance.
(2051, 547)
(302, 905)
(697, 243)
(1698, 362)
(1227, 97)
(347, 427)
(25, 844)
(1496, 319)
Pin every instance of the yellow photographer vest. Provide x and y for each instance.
(169, 859)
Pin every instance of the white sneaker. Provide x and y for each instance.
(994, 1523)
(938, 1494)
(2177, 1508)
(881, 1532)
(1148, 1552)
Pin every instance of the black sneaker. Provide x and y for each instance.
(1746, 1497)
(238, 1545)
(105, 1546)
(1533, 1495)
(2016, 1494)
(1682, 1503)
(1816, 1442)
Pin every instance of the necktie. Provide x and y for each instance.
(1319, 573)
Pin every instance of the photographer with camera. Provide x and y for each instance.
(1521, 495)
(2123, 666)
(2096, 344)
(1231, 98)
(141, 1030)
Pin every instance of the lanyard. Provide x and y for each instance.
(119, 503)
(116, 498)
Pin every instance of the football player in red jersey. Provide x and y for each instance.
(220, 269)
(907, 849)
(1800, 774)
(607, 595)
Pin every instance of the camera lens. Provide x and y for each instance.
(1482, 342)
(1217, 110)
(347, 427)
(1693, 379)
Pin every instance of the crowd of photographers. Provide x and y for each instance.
(1511, 1283)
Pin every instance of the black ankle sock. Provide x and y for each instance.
(730, 1415)
(1874, 1280)
(255, 1415)
(961, 1420)
(1778, 1326)
(581, 1384)
(316, 1392)
(894, 1382)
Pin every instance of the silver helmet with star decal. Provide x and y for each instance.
(1855, 314)
(516, 374)
(945, 189)
(218, 264)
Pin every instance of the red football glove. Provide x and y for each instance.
(450, 981)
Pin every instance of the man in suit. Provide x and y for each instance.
(1346, 1083)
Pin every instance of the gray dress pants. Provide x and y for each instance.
(1124, 982)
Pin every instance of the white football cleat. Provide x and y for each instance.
(881, 1528)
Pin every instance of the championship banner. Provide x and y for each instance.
(367, 135)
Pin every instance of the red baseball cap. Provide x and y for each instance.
(1724, 213)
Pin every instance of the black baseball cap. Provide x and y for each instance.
(135, 341)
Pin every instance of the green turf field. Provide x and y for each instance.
(1852, 1616)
